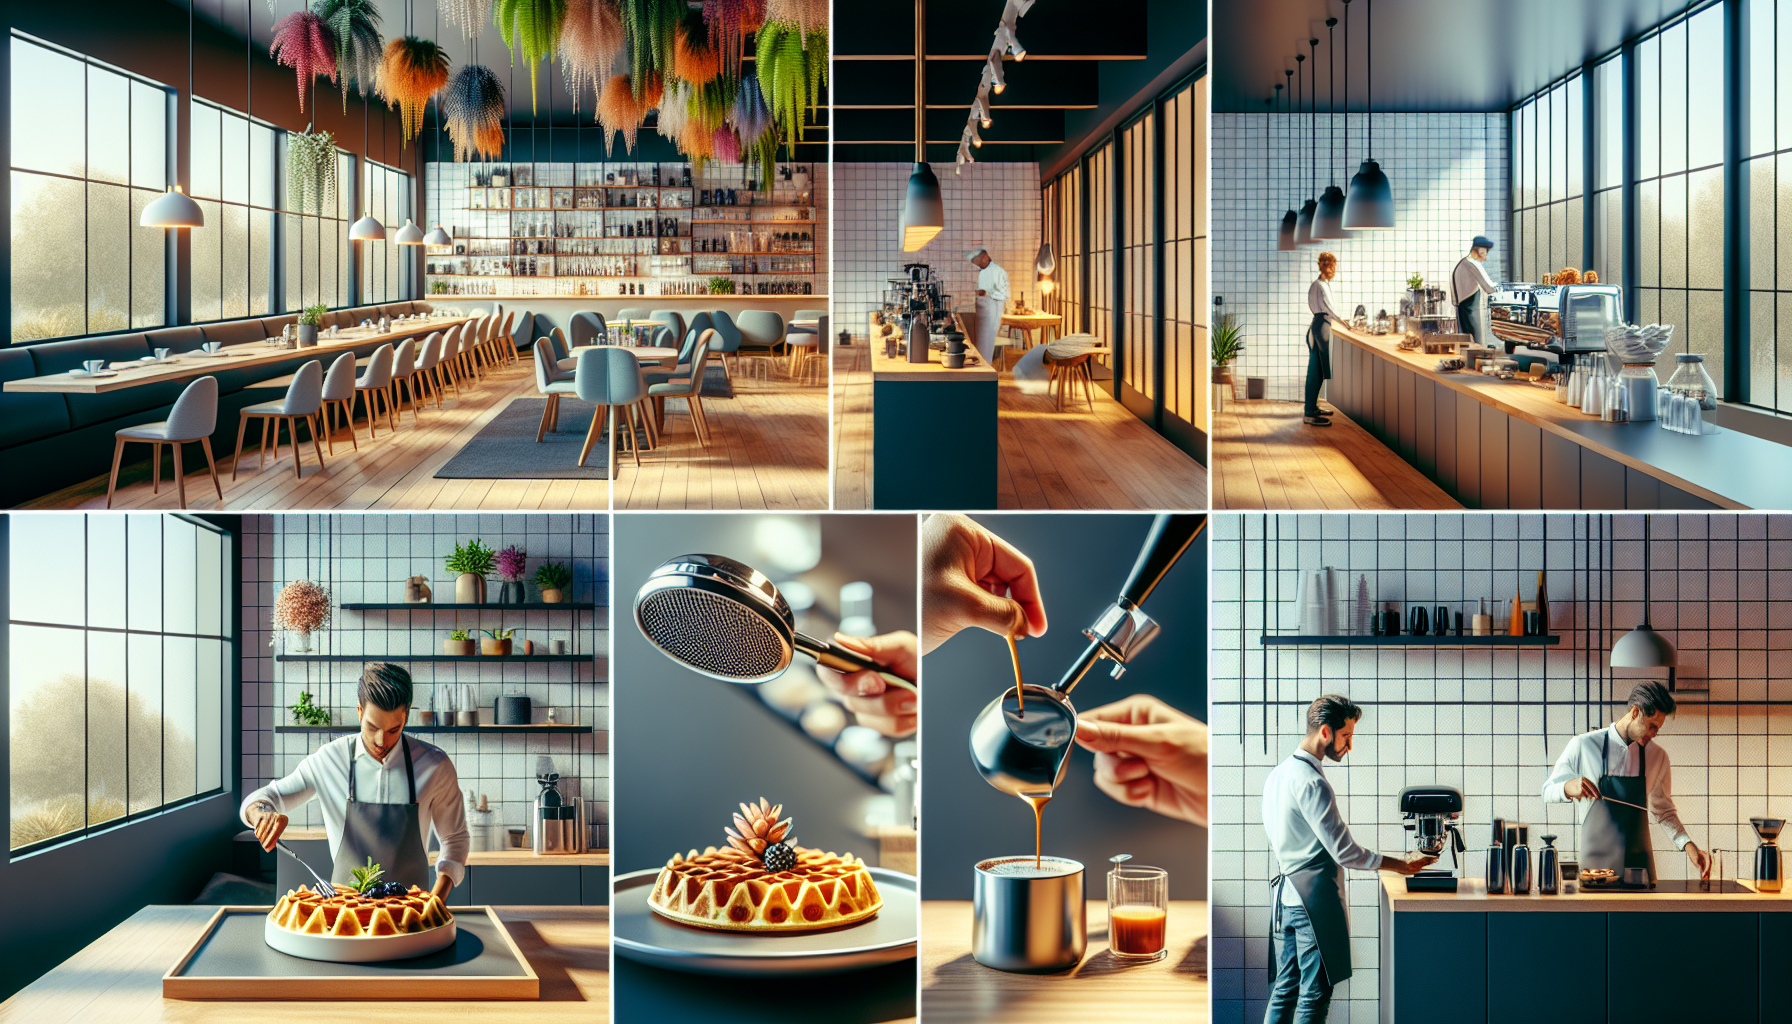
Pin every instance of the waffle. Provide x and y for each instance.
(727, 890)
(348, 915)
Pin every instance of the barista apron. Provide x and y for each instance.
(388, 833)
(1615, 836)
(1319, 345)
(1468, 313)
(1320, 885)
(989, 324)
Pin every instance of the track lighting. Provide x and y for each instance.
(1008, 42)
(980, 109)
(992, 73)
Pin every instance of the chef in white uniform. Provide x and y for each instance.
(1309, 933)
(1468, 282)
(992, 301)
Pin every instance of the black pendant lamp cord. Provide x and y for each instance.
(1369, 111)
(1647, 590)
(1288, 119)
(1313, 108)
(1331, 81)
(1300, 104)
(1346, 90)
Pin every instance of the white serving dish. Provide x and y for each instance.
(359, 949)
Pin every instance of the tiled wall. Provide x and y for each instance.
(1489, 722)
(1449, 179)
(992, 204)
(368, 558)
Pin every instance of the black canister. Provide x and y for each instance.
(1418, 621)
(1549, 872)
(512, 709)
(1496, 868)
(1440, 625)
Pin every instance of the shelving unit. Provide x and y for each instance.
(1408, 640)
(452, 658)
(445, 606)
(532, 729)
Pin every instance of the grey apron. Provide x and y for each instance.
(1615, 836)
(388, 833)
(989, 327)
(1320, 885)
(1468, 313)
(1319, 345)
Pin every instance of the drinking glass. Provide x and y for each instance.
(1138, 911)
(162, 353)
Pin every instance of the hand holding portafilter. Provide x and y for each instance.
(726, 620)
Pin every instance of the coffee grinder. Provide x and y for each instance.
(1767, 855)
(1431, 814)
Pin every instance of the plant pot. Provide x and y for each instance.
(490, 647)
(1256, 387)
(429, 717)
(307, 335)
(458, 648)
(512, 592)
(552, 595)
(469, 588)
(1222, 375)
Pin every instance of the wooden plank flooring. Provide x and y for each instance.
(1075, 459)
(1264, 457)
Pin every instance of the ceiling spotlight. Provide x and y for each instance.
(1009, 42)
(980, 109)
(976, 137)
(992, 73)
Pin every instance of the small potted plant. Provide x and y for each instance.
(496, 642)
(1415, 287)
(307, 713)
(1228, 343)
(458, 645)
(471, 563)
(310, 319)
(510, 563)
(553, 578)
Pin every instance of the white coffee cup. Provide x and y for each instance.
(163, 353)
(212, 347)
(93, 365)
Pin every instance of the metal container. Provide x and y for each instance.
(1027, 921)
(556, 822)
(512, 709)
(1521, 869)
(1496, 869)
(1548, 871)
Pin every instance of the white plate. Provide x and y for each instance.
(84, 373)
(359, 949)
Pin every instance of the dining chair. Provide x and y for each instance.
(689, 388)
(304, 400)
(728, 339)
(807, 314)
(634, 313)
(193, 418)
(373, 384)
(762, 331)
(670, 317)
(552, 380)
(587, 325)
(339, 397)
(404, 364)
(503, 342)
(564, 358)
(609, 378)
(428, 358)
(681, 365)
(805, 350)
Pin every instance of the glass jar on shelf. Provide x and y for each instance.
(1691, 380)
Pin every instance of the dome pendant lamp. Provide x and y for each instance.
(1642, 647)
(1370, 203)
(1303, 227)
(174, 208)
(1285, 235)
(1328, 220)
(923, 208)
(367, 229)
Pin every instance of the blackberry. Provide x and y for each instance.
(779, 857)
(385, 890)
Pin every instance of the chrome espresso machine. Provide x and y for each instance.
(1432, 814)
(919, 301)
(1428, 321)
(1555, 322)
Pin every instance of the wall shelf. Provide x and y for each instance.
(537, 729)
(464, 658)
(1411, 641)
(422, 606)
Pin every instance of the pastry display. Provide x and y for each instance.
(762, 882)
(369, 907)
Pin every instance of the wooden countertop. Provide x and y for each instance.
(119, 978)
(1731, 469)
(1393, 887)
(956, 988)
(491, 858)
(883, 368)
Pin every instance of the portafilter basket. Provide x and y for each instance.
(726, 620)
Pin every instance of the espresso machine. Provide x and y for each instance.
(1767, 855)
(1431, 814)
(923, 306)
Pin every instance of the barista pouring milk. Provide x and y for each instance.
(992, 301)
(381, 792)
(1468, 282)
(1309, 932)
(1632, 773)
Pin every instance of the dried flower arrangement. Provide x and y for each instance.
(302, 607)
(511, 562)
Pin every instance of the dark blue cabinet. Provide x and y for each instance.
(1440, 960)
(1714, 960)
(1537, 964)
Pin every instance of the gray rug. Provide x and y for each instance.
(506, 449)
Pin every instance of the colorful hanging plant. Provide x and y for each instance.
(619, 110)
(675, 110)
(725, 145)
(411, 72)
(730, 22)
(472, 108)
(590, 41)
(311, 169)
(791, 73)
(304, 43)
(652, 27)
(750, 116)
(471, 15)
(355, 26)
(808, 16)
(693, 59)
(532, 27)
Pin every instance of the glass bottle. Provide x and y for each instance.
(1691, 379)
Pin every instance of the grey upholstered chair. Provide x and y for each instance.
(588, 328)
(552, 382)
(193, 418)
(728, 338)
(339, 397)
(805, 349)
(761, 331)
(670, 317)
(609, 378)
(634, 313)
(689, 388)
(429, 357)
(404, 365)
(373, 385)
(304, 400)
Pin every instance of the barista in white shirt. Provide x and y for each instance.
(1319, 339)
(992, 301)
(1632, 773)
(1468, 282)
(381, 792)
(1309, 934)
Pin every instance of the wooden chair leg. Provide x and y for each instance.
(597, 420)
(180, 476)
(634, 444)
(236, 460)
(292, 434)
(117, 458)
(546, 412)
(311, 425)
(155, 482)
(610, 446)
(391, 417)
(699, 421)
(217, 485)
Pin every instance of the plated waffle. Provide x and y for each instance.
(728, 890)
(348, 914)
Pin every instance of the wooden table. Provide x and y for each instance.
(956, 988)
(119, 977)
(1027, 323)
(240, 356)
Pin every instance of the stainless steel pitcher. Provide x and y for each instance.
(1027, 920)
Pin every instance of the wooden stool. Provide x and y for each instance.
(1067, 375)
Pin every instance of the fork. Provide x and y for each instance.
(324, 889)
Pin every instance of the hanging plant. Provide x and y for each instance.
(675, 110)
(304, 43)
(791, 74)
(590, 41)
(725, 145)
(311, 169)
(730, 22)
(764, 154)
(652, 27)
(412, 71)
(532, 27)
(302, 607)
(693, 59)
(355, 26)
(809, 16)
(472, 107)
(750, 116)
(620, 110)
(471, 15)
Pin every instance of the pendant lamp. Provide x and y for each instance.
(437, 235)
(1370, 203)
(1328, 220)
(1045, 263)
(410, 234)
(367, 229)
(1303, 227)
(174, 208)
(1285, 234)
(1642, 647)
(923, 208)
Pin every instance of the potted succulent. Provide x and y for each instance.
(307, 713)
(510, 563)
(310, 319)
(496, 641)
(471, 563)
(554, 579)
(1228, 343)
(458, 645)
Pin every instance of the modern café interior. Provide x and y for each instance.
(1560, 249)
(1021, 204)
(534, 267)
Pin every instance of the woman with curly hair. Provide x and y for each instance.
(1319, 340)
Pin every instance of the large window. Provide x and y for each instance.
(316, 243)
(1768, 175)
(1605, 254)
(385, 266)
(1547, 162)
(1064, 228)
(234, 183)
(1138, 297)
(89, 151)
(1099, 293)
(119, 651)
(1185, 255)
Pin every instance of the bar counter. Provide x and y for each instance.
(933, 436)
(1497, 444)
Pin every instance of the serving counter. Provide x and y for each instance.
(933, 436)
(1498, 444)
(1622, 956)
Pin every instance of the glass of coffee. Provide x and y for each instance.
(1138, 909)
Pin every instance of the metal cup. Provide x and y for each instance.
(1028, 922)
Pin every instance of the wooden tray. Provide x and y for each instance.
(232, 960)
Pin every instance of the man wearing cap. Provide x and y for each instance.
(1467, 284)
(992, 301)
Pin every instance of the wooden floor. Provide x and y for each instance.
(1075, 459)
(1265, 457)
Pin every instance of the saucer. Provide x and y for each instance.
(84, 373)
